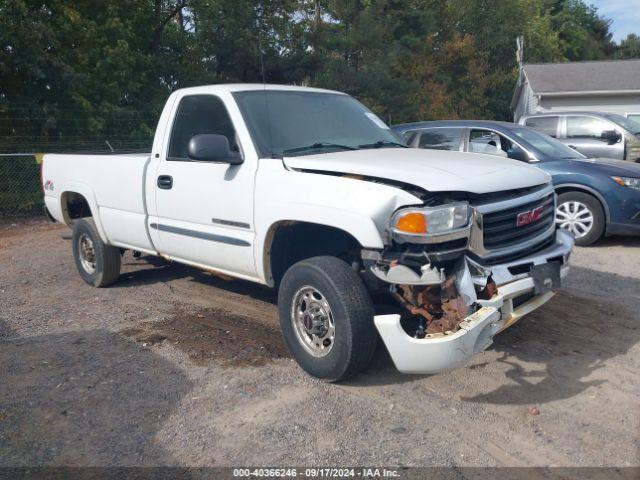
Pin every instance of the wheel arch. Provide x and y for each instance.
(78, 201)
(290, 241)
(576, 187)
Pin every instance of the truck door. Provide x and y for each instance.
(588, 135)
(204, 210)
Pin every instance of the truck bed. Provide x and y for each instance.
(114, 183)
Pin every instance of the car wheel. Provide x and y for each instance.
(97, 262)
(582, 215)
(326, 315)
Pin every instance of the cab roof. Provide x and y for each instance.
(246, 87)
(404, 127)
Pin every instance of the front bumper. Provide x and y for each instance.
(441, 352)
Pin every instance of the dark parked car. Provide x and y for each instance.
(596, 197)
(594, 134)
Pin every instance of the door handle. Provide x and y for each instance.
(165, 182)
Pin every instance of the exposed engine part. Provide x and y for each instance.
(438, 296)
(440, 305)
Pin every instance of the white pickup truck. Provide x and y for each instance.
(308, 191)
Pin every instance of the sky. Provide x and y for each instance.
(624, 13)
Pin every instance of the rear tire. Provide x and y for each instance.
(97, 262)
(572, 211)
(326, 315)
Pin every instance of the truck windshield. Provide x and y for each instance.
(292, 123)
(548, 145)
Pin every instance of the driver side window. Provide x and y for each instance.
(488, 142)
(492, 143)
(587, 127)
(198, 114)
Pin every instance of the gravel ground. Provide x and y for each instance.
(173, 366)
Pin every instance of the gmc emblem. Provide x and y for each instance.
(525, 218)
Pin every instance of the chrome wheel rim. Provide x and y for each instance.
(313, 321)
(575, 217)
(87, 253)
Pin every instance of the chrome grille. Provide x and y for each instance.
(500, 230)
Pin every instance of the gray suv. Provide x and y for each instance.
(594, 134)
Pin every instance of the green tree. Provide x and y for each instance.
(554, 30)
(356, 46)
(629, 47)
(582, 33)
(73, 72)
(238, 39)
(78, 72)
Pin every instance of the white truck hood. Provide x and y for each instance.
(432, 170)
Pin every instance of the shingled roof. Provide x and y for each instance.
(593, 76)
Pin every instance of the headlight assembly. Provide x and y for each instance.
(427, 222)
(630, 182)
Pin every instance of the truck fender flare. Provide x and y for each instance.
(367, 235)
(87, 192)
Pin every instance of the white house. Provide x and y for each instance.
(603, 86)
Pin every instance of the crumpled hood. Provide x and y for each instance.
(432, 170)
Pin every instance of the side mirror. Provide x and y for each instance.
(610, 136)
(209, 147)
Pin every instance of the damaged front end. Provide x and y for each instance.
(453, 300)
(435, 299)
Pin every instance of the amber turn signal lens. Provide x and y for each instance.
(619, 181)
(412, 223)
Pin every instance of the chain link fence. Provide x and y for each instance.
(21, 193)
(20, 190)
(28, 132)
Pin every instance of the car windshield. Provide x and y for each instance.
(626, 123)
(292, 123)
(549, 146)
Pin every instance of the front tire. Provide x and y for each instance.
(582, 215)
(326, 315)
(97, 262)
